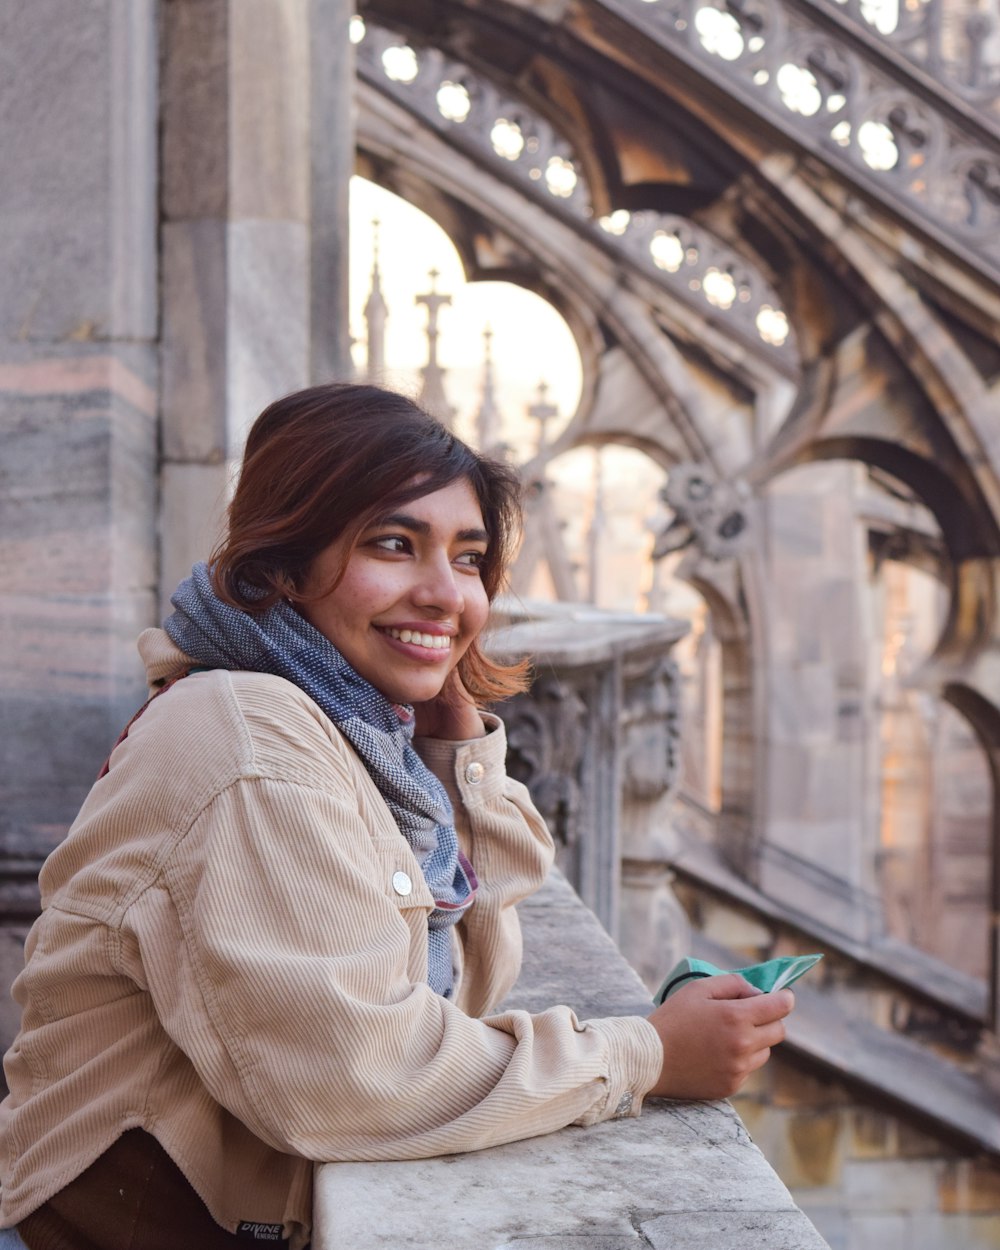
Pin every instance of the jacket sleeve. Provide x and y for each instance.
(510, 849)
(281, 961)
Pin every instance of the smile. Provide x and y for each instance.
(435, 642)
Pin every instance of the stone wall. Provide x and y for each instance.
(78, 408)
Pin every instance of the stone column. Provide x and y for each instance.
(78, 379)
(332, 164)
(257, 152)
(819, 810)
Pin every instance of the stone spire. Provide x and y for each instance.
(595, 532)
(432, 394)
(488, 417)
(543, 412)
(376, 315)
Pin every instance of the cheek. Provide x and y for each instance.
(477, 610)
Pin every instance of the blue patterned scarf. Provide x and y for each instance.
(280, 641)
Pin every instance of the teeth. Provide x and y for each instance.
(435, 642)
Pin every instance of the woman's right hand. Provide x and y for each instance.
(715, 1032)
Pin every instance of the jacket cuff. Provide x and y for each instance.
(473, 772)
(634, 1063)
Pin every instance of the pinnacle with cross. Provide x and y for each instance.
(432, 393)
(543, 412)
(488, 416)
(376, 314)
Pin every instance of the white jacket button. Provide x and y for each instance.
(402, 884)
(474, 773)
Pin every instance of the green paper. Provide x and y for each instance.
(775, 974)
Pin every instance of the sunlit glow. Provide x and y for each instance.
(882, 14)
(878, 146)
(798, 89)
(761, 77)
(755, 44)
(835, 103)
(357, 29)
(667, 251)
(507, 139)
(719, 287)
(453, 101)
(400, 63)
(772, 325)
(841, 134)
(617, 222)
(719, 33)
(530, 339)
(560, 177)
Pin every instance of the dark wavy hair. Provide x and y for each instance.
(324, 464)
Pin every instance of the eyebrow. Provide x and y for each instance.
(414, 524)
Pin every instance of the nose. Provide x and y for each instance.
(438, 586)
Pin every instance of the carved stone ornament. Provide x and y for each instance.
(546, 731)
(696, 267)
(836, 82)
(707, 513)
(651, 722)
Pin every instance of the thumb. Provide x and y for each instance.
(731, 985)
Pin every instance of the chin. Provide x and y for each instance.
(406, 693)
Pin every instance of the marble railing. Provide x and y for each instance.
(682, 1174)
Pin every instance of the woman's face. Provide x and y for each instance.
(412, 598)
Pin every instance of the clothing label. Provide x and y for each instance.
(252, 1230)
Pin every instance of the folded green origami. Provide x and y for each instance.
(775, 974)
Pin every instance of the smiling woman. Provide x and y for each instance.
(275, 930)
(406, 603)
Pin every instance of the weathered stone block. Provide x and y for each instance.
(891, 1185)
(193, 501)
(268, 350)
(195, 109)
(269, 118)
(873, 1134)
(77, 222)
(970, 1186)
(815, 1153)
(54, 98)
(708, 1230)
(792, 1087)
(195, 334)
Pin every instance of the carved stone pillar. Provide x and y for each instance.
(595, 740)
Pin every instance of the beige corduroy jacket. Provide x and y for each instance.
(223, 959)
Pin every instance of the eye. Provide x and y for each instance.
(471, 559)
(398, 544)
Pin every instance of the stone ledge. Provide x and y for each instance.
(683, 1174)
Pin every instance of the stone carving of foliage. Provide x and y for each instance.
(708, 513)
(651, 740)
(546, 736)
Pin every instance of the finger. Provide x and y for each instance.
(731, 985)
(758, 1059)
(773, 1006)
(772, 1034)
